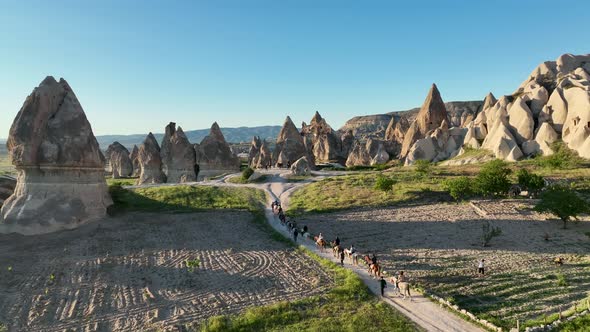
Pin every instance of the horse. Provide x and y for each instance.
(321, 243)
(335, 249)
(404, 289)
(353, 256)
(374, 269)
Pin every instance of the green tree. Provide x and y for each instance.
(493, 178)
(530, 182)
(460, 188)
(247, 173)
(562, 202)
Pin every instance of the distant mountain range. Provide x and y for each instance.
(232, 135)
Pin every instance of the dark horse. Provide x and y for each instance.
(374, 269)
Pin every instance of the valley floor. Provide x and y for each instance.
(130, 273)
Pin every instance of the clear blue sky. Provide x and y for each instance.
(136, 65)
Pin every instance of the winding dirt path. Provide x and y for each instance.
(425, 313)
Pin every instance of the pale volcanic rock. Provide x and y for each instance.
(381, 156)
(301, 167)
(120, 163)
(264, 157)
(359, 155)
(60, 181)
(134, 156)
(150, 162)
(322, 140)
(521, 121)
(431, 115)
(178, 156)
(395, 134)
(500, 140)
(440, 144)
(556, 109)
(290, 144)
(214, 155)
(347, 141)
(254, 151)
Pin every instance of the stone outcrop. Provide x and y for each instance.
(150, 162)
(372, 152)
(521, 121)
(214, 155)
(134, 156)
(431, 115)
(120, 163)
(178, 156)
(254, 151)
(301, 167)
(439, 144)
(323, 141)
(395, 133)
(60, 181)
(263, 159)
(290, 146)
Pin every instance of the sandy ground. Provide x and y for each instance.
(128, 273)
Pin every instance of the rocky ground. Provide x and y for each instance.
(130, 273)
(439, 246)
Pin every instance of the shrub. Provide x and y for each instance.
(562, 202)
(247, 173)
(562, 157)
(489, 232)
(460, 188)
(423, 167)
(493, 178)
(384, 183)
(530, 182)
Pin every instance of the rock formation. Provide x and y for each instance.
(120, 163)
(263, 158)
(301, 167)
(431, 115)
(254, 151)
(134, 156)
(439, 144)
(372, 152)
(323, 141)
(150, 162)
(60, 182)
(395, 133)
(290, 146)
(214, 156)
(178, 156)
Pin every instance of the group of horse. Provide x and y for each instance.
(374, 269)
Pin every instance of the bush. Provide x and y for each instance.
(460, 188)
(562, 157)
(247, 173)
(530, 182)
(562, 202)
(423, 167)
(489, 232)
(384, 183)
(493, 178)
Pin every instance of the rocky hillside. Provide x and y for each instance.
(232, 135)
(374, 126)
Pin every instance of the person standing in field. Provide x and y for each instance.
(341, 257)
(481, 268)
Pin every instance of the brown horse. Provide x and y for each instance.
(321, 243)
(374, 269)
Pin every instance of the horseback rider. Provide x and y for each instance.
(320, 237)
(337, 241)
(374, 259)
(352, 249)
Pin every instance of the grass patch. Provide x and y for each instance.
(470, 152)
(121, 182)
(185, 198)
(348, 306)
(580, 324)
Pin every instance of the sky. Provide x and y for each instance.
(137, 65)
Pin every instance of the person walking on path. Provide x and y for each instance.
(342, 257)
(481, 268)
(383, 285)
(295, 233)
